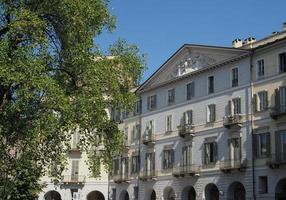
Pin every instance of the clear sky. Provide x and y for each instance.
(160, 27)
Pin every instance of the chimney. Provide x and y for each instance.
(284, 26)
(236, 43)
(249, 40)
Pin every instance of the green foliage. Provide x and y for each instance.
(54, 80)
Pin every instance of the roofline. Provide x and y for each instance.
(180, 49)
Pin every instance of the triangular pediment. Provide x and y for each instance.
(189, 59)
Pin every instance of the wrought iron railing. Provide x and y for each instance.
(183, 170)
(186, 130)
(148, 175)
(226, 165)
(232, 120)
(148, 139)
(278, 111)
(73, 178)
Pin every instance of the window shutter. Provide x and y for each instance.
(277, 98)
(191, 117)
(255, 103)
(266, 100)
(239, 105)
(215, 151)
(268, 143)
(155, 101)
(172, 157)
(214, 113)
(255, 145)
(278, 144)
(204, 154)
(230, 108)
(148, 102)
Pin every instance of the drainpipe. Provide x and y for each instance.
(252, 126)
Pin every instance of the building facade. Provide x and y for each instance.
(209, 124)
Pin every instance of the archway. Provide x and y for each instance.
(189, 193)
(236, 191)
(211, 192)
(52, 195)
(169, 194)
(124, 195)
(95, 195)
(153, 195)
(280, 191)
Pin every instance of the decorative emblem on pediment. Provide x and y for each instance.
(192, 62)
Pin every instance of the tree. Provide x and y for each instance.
(53, 80)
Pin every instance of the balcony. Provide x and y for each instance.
(127, 144)
(275, 160)
(148, 175)
(121, 178)
(230, 165)
(278, 111)
(186, 170)
(232, 121)
(148, 139)
(186, 130)
(73, 179)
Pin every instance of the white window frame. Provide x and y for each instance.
(259, 100)
(209, 113)
(186, 91)
(278, 60)
(168, 103)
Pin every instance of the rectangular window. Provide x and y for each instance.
(75, 140)
(113, 193)
(150, 128)
(187, 156)
(211, 84)
(210, 153)
(171, 96)
(282, 62)
(190, 90)
(152, 102)
(282, 99)
(262, 101)
(116, 166)
(262, 145)
(188, 117)
(236, 106)
(260, 68)
(211, 113)
(75, 170)
(263, 184)
(150, 163)
(126, 134)
(234, 77)
(281, 146)
(169, 123)
(137, 107)
(234, 149)
(124, 166)
(168, 159)
(135, 132)
(135, 164)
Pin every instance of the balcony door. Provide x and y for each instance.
(234, 151)
(187, 158)
(75, 170)
(150, 163)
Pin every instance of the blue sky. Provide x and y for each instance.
(160, 27)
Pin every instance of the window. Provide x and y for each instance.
(124, 166)
(211, 113)
(260, 68)
(234, 77)
(135, 132)
(137, 107)
(168, 159)
(210, 84)
(169, 123)
(234, 149)
(282, 99)
(281, 145)
(234, 106)
(263, 184)
(188, 117)
(210, 153)
(187, 156)
(171, 96)
(126, 133)
(151, 102)
(150, 128)
(282, 62)
(262, 145)
(75, 170)
(75, 140)
(190, 90)
(135, 164)
(150, 163)
(262, 101)
(116, 166)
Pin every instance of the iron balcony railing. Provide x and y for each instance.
(148, 175)
(186, 130)
(187, 170)
(232, 120)
(79, 179)
(278, 111)
(228, 165)
(148, 139)
(277, 159)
